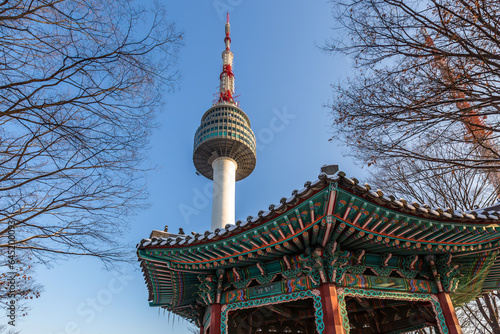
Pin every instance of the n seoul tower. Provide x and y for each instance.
(224, 144)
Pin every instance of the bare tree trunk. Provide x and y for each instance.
(489, 312)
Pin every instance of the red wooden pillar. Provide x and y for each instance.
(202, 330)
(215, 313)
(331, 309)
(449, 313)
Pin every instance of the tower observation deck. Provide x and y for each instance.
(224, 144)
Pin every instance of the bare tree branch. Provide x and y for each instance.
(429, 74)
(80, 83)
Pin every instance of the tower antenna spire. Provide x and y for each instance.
(226, 91)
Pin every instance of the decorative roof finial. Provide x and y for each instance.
(227, 76)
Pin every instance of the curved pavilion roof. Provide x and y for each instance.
(330, 208)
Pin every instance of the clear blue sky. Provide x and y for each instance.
(279, 69)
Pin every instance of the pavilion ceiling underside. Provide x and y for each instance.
(492, 280)
(324, 212)
(177, 289)
(167, 287)
(383, 316)
(293, 317)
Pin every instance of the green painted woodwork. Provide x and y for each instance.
(389, 283)
(271, 289)
(475, 272)
(314, 294)
(376, 294)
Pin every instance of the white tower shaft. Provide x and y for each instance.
(224, 192)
